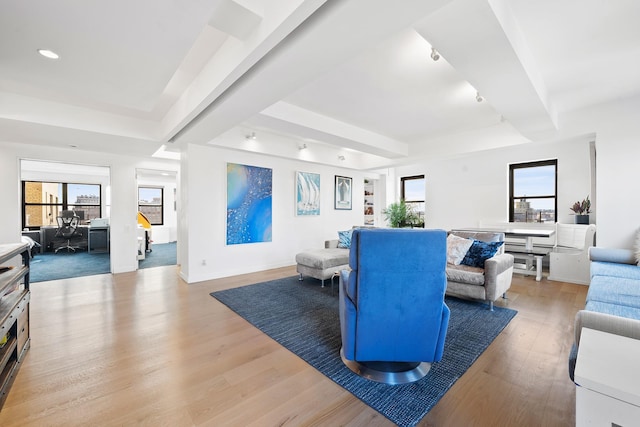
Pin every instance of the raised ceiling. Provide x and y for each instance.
(342, 75)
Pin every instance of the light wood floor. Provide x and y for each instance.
(145, 348)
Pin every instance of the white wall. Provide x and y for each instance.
(465, 191)
(618, 176)
(617, 172)
(10, 231)
(204, 208)
(183, 214)
(123, 221)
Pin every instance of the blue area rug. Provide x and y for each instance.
(65, 265)
(303, 317)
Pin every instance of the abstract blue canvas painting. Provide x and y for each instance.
(307, 193)
(249, 213)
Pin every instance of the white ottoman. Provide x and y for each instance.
(322, 263)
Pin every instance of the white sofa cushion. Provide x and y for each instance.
(457, 248)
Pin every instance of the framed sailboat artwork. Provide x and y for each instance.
(307, 193)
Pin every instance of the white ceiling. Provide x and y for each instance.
(349, 75)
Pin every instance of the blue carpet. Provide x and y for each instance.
(65, 265)
(303, 317)
(161, 254)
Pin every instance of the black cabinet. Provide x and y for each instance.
(98, 239)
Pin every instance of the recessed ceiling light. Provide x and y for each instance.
(48, 53)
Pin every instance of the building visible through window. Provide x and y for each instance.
(150, 203)
(532, 191)
(43, 202)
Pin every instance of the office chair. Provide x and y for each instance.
(67, 229)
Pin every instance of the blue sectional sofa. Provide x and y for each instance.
(613, 299)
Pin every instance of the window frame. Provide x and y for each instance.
(403, 180)
(63, 205)
(160, 205)
(527, 165)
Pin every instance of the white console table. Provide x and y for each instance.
(608, 380)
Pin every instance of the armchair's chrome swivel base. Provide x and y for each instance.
(388, 372)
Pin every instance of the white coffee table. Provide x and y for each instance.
(608, 380)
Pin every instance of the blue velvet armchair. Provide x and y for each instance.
(393, 317)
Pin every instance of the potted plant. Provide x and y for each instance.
(399, 214)
(582, 211)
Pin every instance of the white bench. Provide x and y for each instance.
(569, 258)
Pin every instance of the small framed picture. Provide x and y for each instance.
(343, 192)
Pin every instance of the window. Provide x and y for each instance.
(150, 203)
(412, 191)
(43, 201)
(532, 191)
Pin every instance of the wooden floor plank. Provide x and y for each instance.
(145, 348)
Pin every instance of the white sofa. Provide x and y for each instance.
(488, 283)
(613, 299)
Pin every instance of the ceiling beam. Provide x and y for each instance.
(483, 42)
(291, 119)
(334, 33)
(232, 61)
(235, 19)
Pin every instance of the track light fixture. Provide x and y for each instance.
(251, 137)
(341, 158)
(479, 98)
(302, 147)
(434, 54)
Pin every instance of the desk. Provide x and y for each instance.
(529, 254)
(98, 239)
(48, 237)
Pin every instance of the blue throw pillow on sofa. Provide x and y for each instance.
(344, 239)
(479, 252)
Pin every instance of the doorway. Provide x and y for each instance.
(63, 206)
(157, 217)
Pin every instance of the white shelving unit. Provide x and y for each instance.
(369, 202)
